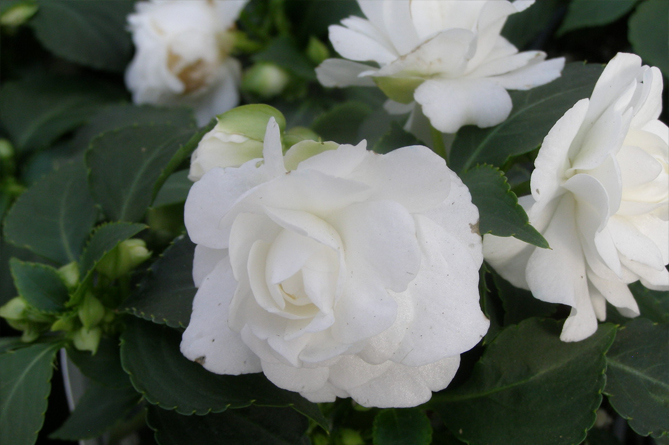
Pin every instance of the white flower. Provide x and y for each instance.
(446, 55)
(600, 196)
(335, 271)
(181, 55)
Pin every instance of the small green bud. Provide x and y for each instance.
(348, 436)
(17, 15)
(87, 339)
(265, 79)
(91, 312)
(67, 323)
(6, 149)
(70, 275)
(299, 134)
(15, 309)
(30, 333)
(320, 439)
(317, 51)
(123, 258)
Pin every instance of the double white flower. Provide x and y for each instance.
(600, 196)
(335, 271)
(182, 57)
(446, 55)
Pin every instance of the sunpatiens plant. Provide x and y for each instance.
(466, 241)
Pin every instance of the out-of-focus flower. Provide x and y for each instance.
(600, 196)
(182, 55)
(335, 271)
(447, 55)
(265, 79)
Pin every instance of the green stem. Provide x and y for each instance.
(438, 145)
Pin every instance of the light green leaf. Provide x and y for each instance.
(253, 425)
(37, 110)
(529, 388)
(589, 13)
(25, 383)
(53, 217)
(174, 190)
(99, 409)
(341, 122)
(166, 293)
(90, 32)
(126, 164)
(534, 113)
(185, 386)
(500, 213)
(40, 285)
(637, 378)
(402, 426)
(105, 366)
(648, 31)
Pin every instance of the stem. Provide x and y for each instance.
(438, 145)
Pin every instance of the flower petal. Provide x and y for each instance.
(343, 73)
(356, 46)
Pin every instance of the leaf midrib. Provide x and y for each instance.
(636, 373)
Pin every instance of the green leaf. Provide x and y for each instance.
(499, 211)
(104, 239)
(11, 343)
(25, 383)
(598, 436)
(125, 165)
(534, 113)
(89, 32)
(523, 28)
(99, 409)
(7, 252)
(54, 217)
(490, 306)
(648, 31)
(519, 304)
(341, 123)
(530, 388)
(637, 378)
(402, 426)
(105, 366)
(166, 293)
(253, 425)
(589, 13)
(174, 190)
(284, 53)
(654, 305)
(150, 354)
(395, 138)
(40, 285)
(37, 110)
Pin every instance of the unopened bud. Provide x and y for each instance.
(17, 15)
(123, 258)
(299, 134)
(30, 333)
(317, 51)
(67, 323)
(265, 80)
(87, 339)
(14, 309)
(70, 275)
(348, 436)
(91, 311)
(6, 149)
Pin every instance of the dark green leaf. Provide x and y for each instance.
(490, 305)
(37, 110)
(103, 240)
(174, 191)
(150, 354)
(125, 165)
(341, 123)
(90, 32)
(105, 366)
(99, 409)
(654, 305)
(523, 28)
(402, 426)
(500, 213)
(637, 378)
(40, 285)
(396, 137)
(519, 304)
(11, 343)
(598, 436)
(283, 52)
(648, 30)
(8, 251)
(530, 388)
(54, 217)
(166, 294)
(588, 13)
(253, 425)
(45, 162)
(25, 383)
(534, 113)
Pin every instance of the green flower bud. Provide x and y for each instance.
(30, 333)
(123, 258)
(299, 134)
(6, 149)
(91, 312)
(317, 51)
(18, 14)
(66, 323)
(399, 89)
(70, 275)
(348, 436)
(265, 79)
(15, 309)
(304, 150)
(87, 339)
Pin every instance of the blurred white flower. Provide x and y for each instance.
(335, 271)
(182, 55)
(600, 196)
(446, 55)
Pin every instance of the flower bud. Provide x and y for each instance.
(317, 51)
(66, 323)
(123, 258)
(18, 14)
(265, 80)
(348, 436)
(14, 310)
(6, 149)
(91, 311)
(87, 339)
(237, 138)
(30, 333)
(299, 134)
(70, 275)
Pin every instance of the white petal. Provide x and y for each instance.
(398, 24)
(618, 76)
(246, 230)
(204, 261)
(650, 108)
(222, 96)
(208, 338)
(649, 277)
(582, 320)
(273, 151)
(532, 75)
(617, 293)
(359, 47)
(228, 11)
(343, 73)
(327, 393)
(340, 162)
(634, 245)
(478, 102)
